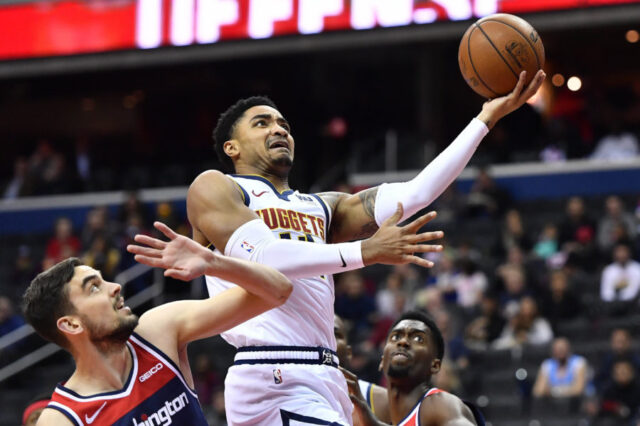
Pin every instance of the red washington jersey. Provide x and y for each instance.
(413, 419)
(155, 393)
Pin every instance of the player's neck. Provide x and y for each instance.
(281, 183)
(99, 370)
(403, 398)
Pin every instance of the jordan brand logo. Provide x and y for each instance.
(344, 264)
(90, 420)
(258, 195)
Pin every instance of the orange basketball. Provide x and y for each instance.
(495, 49)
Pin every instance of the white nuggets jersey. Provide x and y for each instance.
(306, 319)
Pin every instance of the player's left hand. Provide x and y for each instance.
(182, 257)
(362, 415)
(494, 109)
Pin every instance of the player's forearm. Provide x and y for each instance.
(261, 280)
(419, 192)
(295, 259)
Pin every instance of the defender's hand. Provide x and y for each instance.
(396, 245)
(494, 109)
(362, 415)
(182, 257)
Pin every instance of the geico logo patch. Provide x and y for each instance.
(151, 372)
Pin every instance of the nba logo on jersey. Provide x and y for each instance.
(277, 376)
(246, 246)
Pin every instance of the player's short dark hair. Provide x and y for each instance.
(47, 299)
(226, 124)
(423, 317)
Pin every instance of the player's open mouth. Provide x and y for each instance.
(120, 305)
(281, 143)
(400, 355)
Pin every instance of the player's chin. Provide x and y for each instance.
(398, 370)
(283, 160)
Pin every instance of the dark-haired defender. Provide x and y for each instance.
(412, 355)
(132, 371)
(253, 214)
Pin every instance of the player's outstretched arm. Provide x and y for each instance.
(173, 325)
(185, 259)
(358, 215)
(217, 213)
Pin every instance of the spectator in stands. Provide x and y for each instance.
(47, 166)
(353, 303)
(24, 269)
(487, 327)
(103, 257)
(515, 288)
(9, 320)
(486, 197)
(215, 411)
(21, 184)
(576, 225)
(512, 234)
(620, 400)
(205, 379)
(526, 327)
(392, 299)
(132, 206)
(469, 284)
(443, 274)
(564, 375)
(559, 302)
(620, 279)
(455, 349)
(31, 413)
(620, 350)
(577, 235)
(616, 226)
(618, 145)
(547, 245)
(63, 245)
(96, 223)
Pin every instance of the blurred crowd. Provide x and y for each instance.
(513, 287)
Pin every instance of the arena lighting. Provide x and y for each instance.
(68, 27)
(557, 80)
(632, 36)
(574, 83)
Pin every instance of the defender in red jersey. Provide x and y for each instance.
(412, 354)
(135, 371)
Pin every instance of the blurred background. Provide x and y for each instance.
(106, 114)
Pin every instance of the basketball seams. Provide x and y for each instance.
(533, 48)
(475, 71)
(515, 74)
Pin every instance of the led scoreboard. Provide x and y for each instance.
(54, 28)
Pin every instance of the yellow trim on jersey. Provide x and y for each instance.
(373, 410)
(244, 199)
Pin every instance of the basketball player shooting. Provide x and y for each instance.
(132, 371)
(284, 371)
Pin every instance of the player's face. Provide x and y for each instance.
(100, 307)
(409, 352)
(263, 139)
(342, 346)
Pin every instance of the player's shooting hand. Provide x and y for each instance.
(182, 257)
(362, 415)
(397, 245)
(494, 109)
